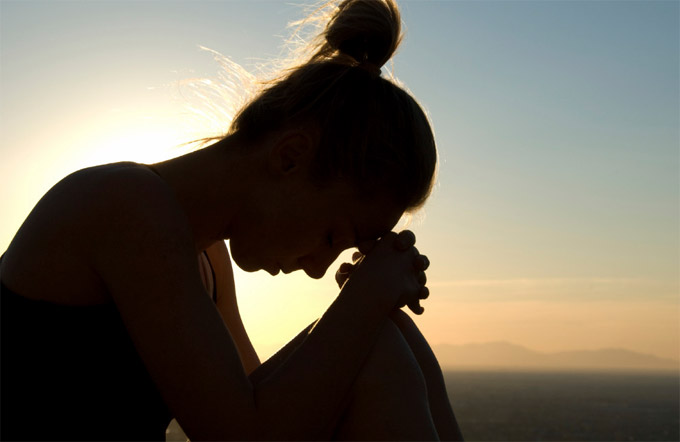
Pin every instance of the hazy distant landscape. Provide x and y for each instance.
(566, 406)
(505, 392)
(504, 355)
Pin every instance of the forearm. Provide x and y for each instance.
(277, 359)
(243, 344)
(309, 388)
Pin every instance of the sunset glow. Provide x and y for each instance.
(554, 222)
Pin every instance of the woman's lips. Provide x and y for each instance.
(286, 270)
(274, 270)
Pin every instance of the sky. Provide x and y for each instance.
(554, 221)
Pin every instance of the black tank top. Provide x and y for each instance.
(72, 373)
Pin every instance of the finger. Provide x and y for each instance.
(405, 240)
(422, 262)
(421, 278)
(341, 278)
(365, 247)
(415, 307)
(342, 274)
(424, 293)
(346, 268)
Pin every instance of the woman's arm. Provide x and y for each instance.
(228, 306)
(331, 356)
(150, 269)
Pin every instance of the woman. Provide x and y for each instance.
(107, 331)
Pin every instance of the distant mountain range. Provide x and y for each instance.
(504, 355)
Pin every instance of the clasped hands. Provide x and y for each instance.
(394, 257)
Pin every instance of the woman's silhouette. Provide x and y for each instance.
(107, 331)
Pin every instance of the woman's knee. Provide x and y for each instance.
(391, 363)
(416, 341)
(405, 324)
(389, 397)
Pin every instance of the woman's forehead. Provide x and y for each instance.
(374, 221)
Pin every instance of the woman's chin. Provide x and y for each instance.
(243, 264)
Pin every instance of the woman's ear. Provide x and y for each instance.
(291, 152)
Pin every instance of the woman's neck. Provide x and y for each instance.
(210, 185)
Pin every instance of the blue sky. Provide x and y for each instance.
(557, 124)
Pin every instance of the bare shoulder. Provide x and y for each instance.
(117, 187)
(91, 213)
(145, 236)
(129, 199)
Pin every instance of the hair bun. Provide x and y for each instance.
(366, 30)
